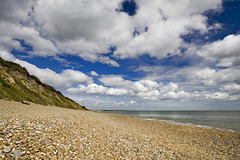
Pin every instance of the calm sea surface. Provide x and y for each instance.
(224, 120)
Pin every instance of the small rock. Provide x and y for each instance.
(5, 125)
(6, 149)
(17, 153)
(10, 135)
(25, 102)
(1, 139)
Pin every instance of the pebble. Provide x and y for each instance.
(38, 132)
(55, 133)
(6, 149)
(17, 153)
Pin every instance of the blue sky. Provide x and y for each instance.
(132, 54)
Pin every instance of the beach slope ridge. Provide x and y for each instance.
(18, 85)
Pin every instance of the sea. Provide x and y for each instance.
(223, 120)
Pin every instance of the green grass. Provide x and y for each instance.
(4, 83)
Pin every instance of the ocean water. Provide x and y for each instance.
(223, 120)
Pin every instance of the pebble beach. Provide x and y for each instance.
(47, 132)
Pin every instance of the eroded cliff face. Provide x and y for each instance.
(18, 85)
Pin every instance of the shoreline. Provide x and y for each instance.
(186, 123)
(36, 131)
(200, 126)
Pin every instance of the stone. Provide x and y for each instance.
(17, 153)
(6, 149)
(25, 102)
(76, 135)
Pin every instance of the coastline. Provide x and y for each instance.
(36, 131)
(227, 120)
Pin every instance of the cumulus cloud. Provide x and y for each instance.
(83, 28)
(93, 73)
(212, 77)
(66, 78)
(107, 60)
(14, 11)
(97, 89)
(114, 80)
(6, 55)
(13, 33)
(207, 76)
(178, 95)
(142, 89)
(225, 51)
(116, 91)
(132, 102)
(13, 16)
(170, 87)
(166, 21)
(120, 104)
(220, 96)
(90, 28)
(233, 87)
(195, 82)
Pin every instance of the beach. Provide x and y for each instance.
(47, 132)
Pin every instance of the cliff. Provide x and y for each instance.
(18, 85)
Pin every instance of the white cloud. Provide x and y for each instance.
(93, 89)
(120, 103)
(226, 51)
(14, 11)
(66, 78)
(170, 87)
(114, 80)
(212, 77)
(97, 89)
(93, 73)
(149, 95)
(178, 95)
(80, 19)
(116, 91)
(149, 83)
(142, 89)
(13, 16)
(138, 87)
(132, 102)
(83, 28)
(90, 28)
(166, 22)
(231, 87)
(194, 82)
(41, 46)
(107, 60)
(207, 76)
(6, 55)
(220, 96)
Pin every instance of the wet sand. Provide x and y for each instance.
(46, 132)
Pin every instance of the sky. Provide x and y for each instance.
(129, 54)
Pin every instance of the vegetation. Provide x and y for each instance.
(18, 85)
